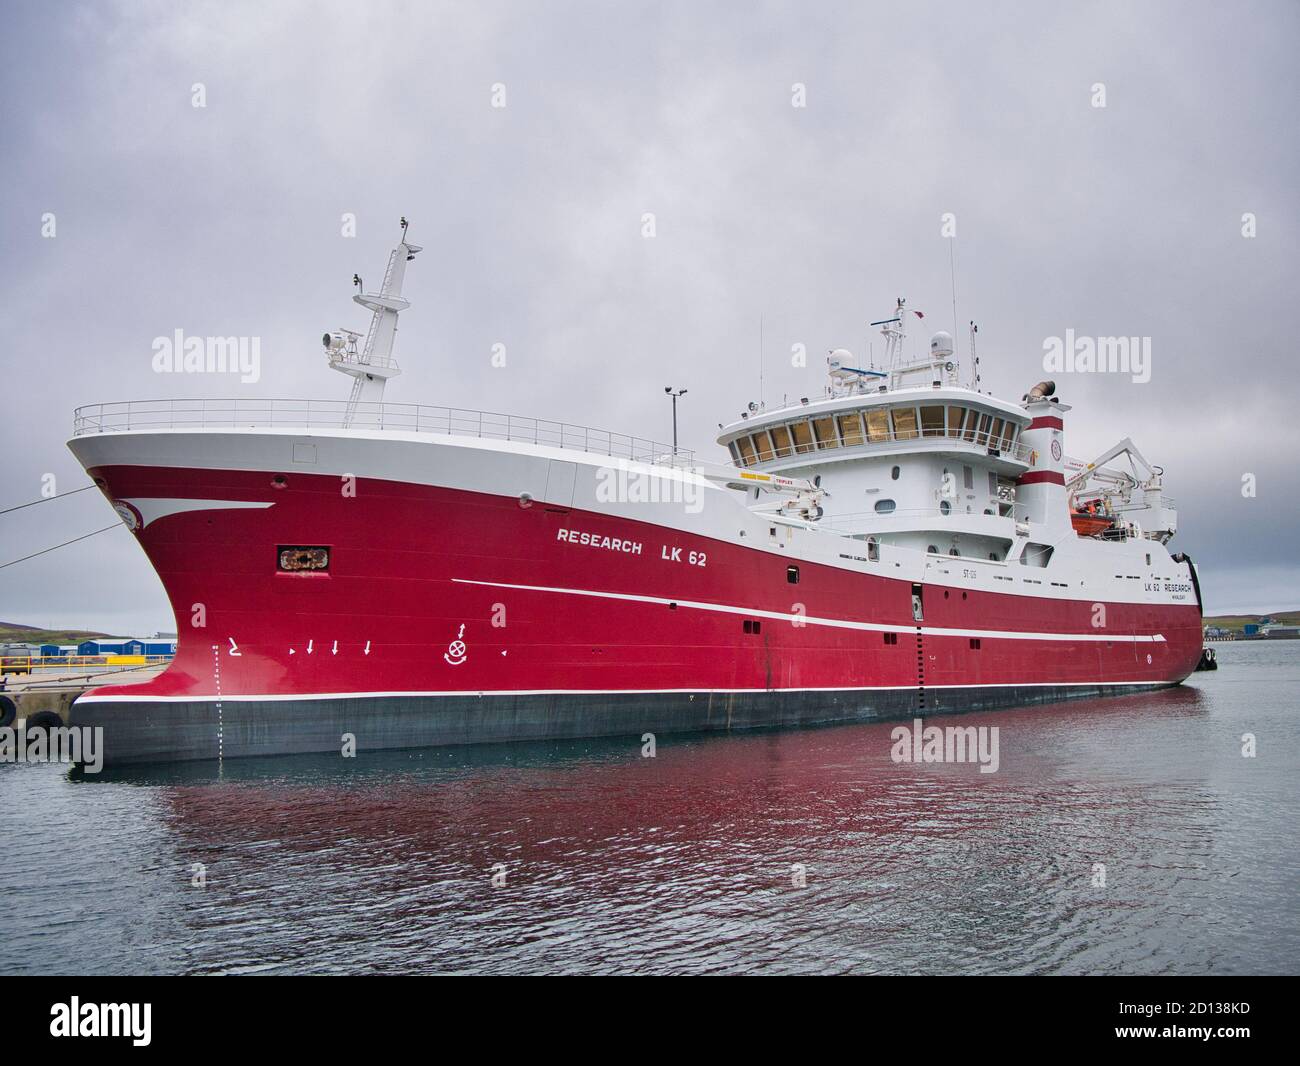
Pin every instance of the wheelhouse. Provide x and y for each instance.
(795, 436)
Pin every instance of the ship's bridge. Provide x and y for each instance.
(932, 420)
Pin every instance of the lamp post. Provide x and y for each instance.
(680, 392)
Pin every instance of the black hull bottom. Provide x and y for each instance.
(156, 732)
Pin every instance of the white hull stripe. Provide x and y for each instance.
(836, 623)
(279, 697)
(152, 508)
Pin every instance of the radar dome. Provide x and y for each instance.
(941, 345)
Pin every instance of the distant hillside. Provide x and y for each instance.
(14, 633)
(1236, 621)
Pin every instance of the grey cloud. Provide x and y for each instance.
(225, 221)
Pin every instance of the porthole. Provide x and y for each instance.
(932, 550)
(945, 508)
(894, 473)
(885, 506)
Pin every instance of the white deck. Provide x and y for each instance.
(307, 415)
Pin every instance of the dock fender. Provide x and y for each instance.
(44, 720)
(8, 712)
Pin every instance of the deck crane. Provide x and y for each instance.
(1115, 491)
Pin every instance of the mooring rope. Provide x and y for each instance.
(14, 562)
(47, 499)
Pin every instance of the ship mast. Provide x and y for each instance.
(940, 366)
(372, 366)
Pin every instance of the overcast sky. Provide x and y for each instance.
(226, 220)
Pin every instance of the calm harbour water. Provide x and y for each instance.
(683, 863)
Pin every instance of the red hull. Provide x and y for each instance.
(411, 564)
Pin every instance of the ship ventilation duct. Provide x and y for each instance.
(1042, 389)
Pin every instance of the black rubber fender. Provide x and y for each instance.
(44, 720)
(8, 712)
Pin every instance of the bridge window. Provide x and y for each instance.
(955, 415)
(968, 427)
(781, 441)
(746, 451)
(824, 431)
(904, 423)
(885, 506)
(995, 434)
(802, 434)
(1008, 435)
(763, 445)
(851, 429)
(877, 425)
(932, 421)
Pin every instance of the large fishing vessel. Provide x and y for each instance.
(901, 543)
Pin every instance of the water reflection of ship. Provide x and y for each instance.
(614, 860)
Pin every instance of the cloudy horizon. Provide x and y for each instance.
(1169, 213)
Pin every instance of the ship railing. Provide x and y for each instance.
(307, 415)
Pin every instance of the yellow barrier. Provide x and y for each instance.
(24, 664)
